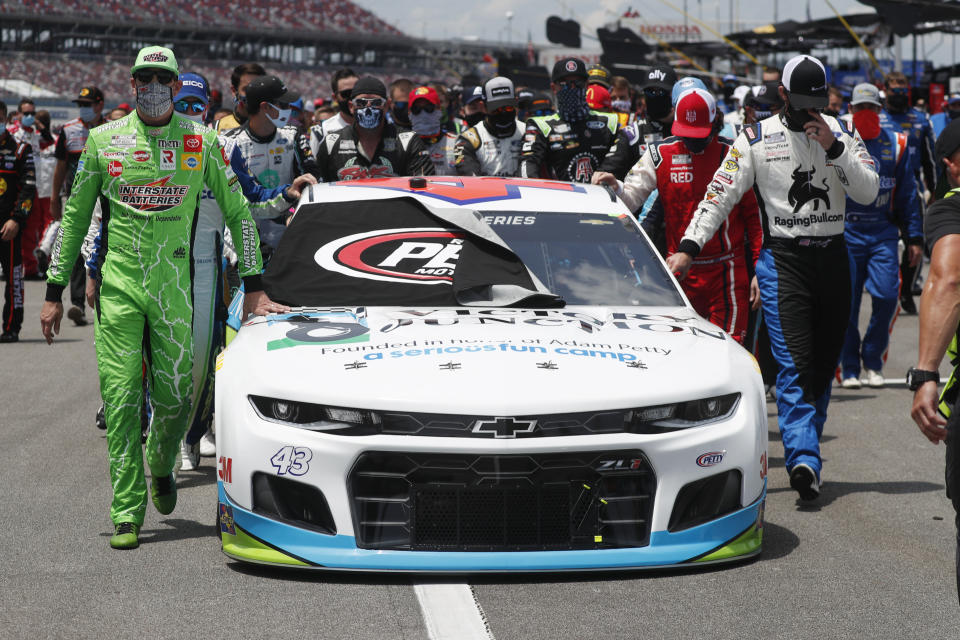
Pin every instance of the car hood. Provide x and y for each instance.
(487, 361)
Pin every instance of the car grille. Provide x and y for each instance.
(451, 502)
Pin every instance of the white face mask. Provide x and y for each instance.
(154, 99)
(196, 117)
(426, 124)
(283, 117)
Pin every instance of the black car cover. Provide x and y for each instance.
(397, 251)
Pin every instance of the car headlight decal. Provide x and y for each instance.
(314, 417)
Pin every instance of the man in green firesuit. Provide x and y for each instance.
(148, 169)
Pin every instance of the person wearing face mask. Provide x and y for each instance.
(681, 167)
(492, 147)
(726, 103)
(802, 165)
(835, 106)
(36, 133)
(632, 141)
(371, 147)
(473, 106)
(148, 170)
(269, 153)
(426, 117)
(67, 151)
(951, 111)
(342, 84)
(872, 232)
(398, 111)
(242, 75)
(900, 117)
(621, 101)
(571, 144)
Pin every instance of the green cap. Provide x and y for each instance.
(156, 58)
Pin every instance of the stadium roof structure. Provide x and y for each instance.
(916, 17)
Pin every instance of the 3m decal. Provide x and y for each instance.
(225, 469)
(292, 460)
(414, 256)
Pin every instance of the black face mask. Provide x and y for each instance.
(697, 145)
(343, 101)
(658, 107)
(502, 124)
(796, 118)
(474, 119)
(400, 115)
(831, 112)
(897, 101)
(950, 114)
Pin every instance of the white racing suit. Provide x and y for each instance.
(480, 153)
(804, 269)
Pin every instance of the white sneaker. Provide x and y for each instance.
(873, 379)
(851, 383)
(189, 459)
(208, 445)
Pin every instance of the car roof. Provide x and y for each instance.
(483, 193)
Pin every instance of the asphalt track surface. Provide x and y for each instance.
(874, 558)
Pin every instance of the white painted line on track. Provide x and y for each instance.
(451, 612)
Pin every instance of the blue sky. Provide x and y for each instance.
(486, 19)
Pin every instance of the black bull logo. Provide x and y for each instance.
(803, 190)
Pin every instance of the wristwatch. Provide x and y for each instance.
(917, 377)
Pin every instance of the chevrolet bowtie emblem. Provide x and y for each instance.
(504, 427)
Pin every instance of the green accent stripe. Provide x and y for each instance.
(246, 546)
(744, 544)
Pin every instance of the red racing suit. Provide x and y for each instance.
(718, 284)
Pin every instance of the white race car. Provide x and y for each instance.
(483, 374)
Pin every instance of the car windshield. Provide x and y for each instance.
(586, 258)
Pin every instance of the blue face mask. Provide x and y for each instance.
(86, 114)
(28, 121)
(572, 102)
(368, 117)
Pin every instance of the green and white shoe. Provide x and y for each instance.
(163, 490)
(125, 536)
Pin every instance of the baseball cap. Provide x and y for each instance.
(805, 80)
(740, 93)
(661, 76)
(366, 84)
(598, 74)
(954, 98)
(696, 111)
(948, 141)
(89, 94)
(598, 97)
(471, 94)
(194, 86)
(766, 94)
(155, 58)
(524, 96)
(498, 92)
(424, 93)
(268, 89)
(729, 77)
(541, 102)
(865, 93)
(569, 67)
(690, 82)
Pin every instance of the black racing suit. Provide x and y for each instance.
(400, 153)
(18, 190)
(570, 151)
(631, 144)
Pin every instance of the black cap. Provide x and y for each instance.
(767, 95)
(471, 93)
(268, 89)
(89, 94)
(805, 81)
(369, 85)
(948, 141)
(524, 96)
(661, 76)
(569, 67)
(543, 102)
(599, 74)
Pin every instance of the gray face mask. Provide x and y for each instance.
(154, 100)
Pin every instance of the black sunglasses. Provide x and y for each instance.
(426, 108)
(144, 76)
(362, 103)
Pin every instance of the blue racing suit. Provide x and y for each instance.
(871, 233)
(939, 122)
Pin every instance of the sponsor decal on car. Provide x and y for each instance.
(225, 469)
(294, 461)
(226, 520)
(710, 458)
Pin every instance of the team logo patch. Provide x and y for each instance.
(226, 520)
(115, 168)
(190, 161)
(158, 195)
(571, 66)
(223, 154)
(192, 142)
(412, 256)
(140, 155)
(731, 166)
(156, 56)
(691, 116)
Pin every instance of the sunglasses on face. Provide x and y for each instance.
(655, 92)
(417, 109)
(144, 76)
(505, 110)
(574, 84)
(376, 103)
(182, 106)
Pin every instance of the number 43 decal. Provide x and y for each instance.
(292, 460)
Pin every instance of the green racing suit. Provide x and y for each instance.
(151, 179)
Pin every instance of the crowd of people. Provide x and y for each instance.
(775, 205)
(341, 16)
